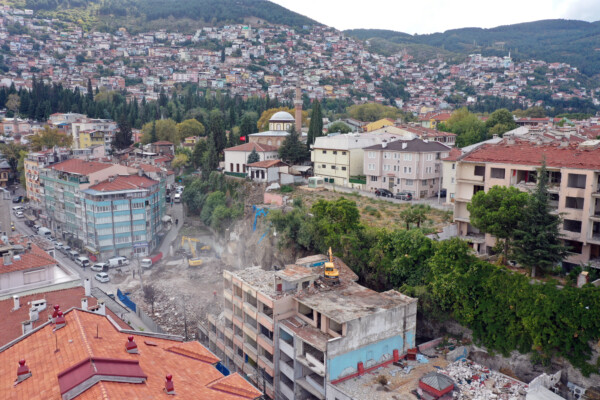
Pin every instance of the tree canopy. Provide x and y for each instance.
(188, 128)
(292, 150)
(166, 129)
(48, 138)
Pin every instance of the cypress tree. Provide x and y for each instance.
(153, 137)
(315, 129)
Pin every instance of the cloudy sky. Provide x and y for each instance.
(428, 16)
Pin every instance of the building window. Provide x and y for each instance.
(428, 170)
(407, 157)
(408, 170)
(386, 167)
(574, 202)
(429, 157)
(334, 152)
(371, 154)
(572, 225)
(324, 151)
(576, 181)
(333, 167)
(386, 155)
(409, 182)
(479, 170)
(452, 180)
(343, 168)
(498, 173)
(424, 182)
(343, 153)
(373, 178)
(371, 167)
(383, 179)
(34, 276)
(398, 181)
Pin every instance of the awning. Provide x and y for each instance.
(91, 250)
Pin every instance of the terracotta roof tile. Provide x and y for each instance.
(526, 153)
(34, 258)
(81, 167)
(252, 146)
(77, 341)
(122, 182)
(266, 163)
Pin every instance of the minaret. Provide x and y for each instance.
(298, 108)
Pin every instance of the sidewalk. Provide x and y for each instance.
(432, 201)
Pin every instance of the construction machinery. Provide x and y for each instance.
(332, 274)
(194, 260)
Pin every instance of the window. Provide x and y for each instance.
(139, 216)
(333, 167)
(137, 205)
(371, 167)
(424, 182)
(104, 220)
(139, 238)
(573, 246)
(386, 167)
(373, 178)
(371, 154)
(343, 168)
(409, 182)
(398, 181)
(386, 155)
(324, 151)
(343, 153)
(498, 173)
(576, 181)
(122, 229)
(323, 166)
(479, 170)
(395, 156)
(452, 180)
(428, 170)
(408, 170)
(574, 202)
(121, 218)
(572, 225)
(407, 157)
(125, 239)
(429, 157)
(34, 276)
(383, 179)
(121, 207)
(334, 152)
(453, 166)
(102, 208)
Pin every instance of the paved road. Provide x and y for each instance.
(432, 201)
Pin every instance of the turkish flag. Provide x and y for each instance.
(243, 138)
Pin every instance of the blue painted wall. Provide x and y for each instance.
(374, 351)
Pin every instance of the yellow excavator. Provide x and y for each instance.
(193, 261)
(332, 274)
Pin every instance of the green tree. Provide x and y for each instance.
(198, 152)
(216, 129)
(333, 220)
(166, 129)
(292, 150)
(537, 237)
(339, 127)
(210, 159)
(122, 138)
(370, 112)
(180, 161)
(153, 135)
(500, 122)
(315, 129)
(50, 137)
(468, 128)
(253, 157)
(12, 152)
(188, 128)
(248, 125)
(498, 212)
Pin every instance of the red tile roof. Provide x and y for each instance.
(122, 182)
(454, 155)
(266, 163)
(149, 168)
(526, 153)
(90, 336)
(34, 258)
(81, 167)
(248, 147)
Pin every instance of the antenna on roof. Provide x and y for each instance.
(56, 350)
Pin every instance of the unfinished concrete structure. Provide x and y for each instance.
(294, 336)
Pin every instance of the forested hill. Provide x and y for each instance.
(573, 42)
(141, 14)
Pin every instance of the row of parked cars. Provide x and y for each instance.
(400, 195)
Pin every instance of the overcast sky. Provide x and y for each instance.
(428, 16)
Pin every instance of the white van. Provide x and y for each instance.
(177, 198)
(45, 232)
(117, 262)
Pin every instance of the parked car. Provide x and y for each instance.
(73, 254)
(150, 261)
(58, 245)
(19, 214)
(404, 196)
(83, 261)
(383, 193)
(65, 250)
(168, 198)
(102, 277)
(17, 199)
(117, 262)
(100, 267)
(177, 198)
(12, 226)
(18, 208)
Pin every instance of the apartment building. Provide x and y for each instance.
(296, 337)
(88, 132)
(413, 166)
(574, 186)
(338, 158)
(236, 158)
(123, 216)
(32, 165)
(63, 184)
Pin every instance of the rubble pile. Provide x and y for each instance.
(474, 381)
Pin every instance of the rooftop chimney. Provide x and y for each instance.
(87, 285)
(34, 314)
(26, 326)
(384, 144)
(23, 372)
(101, 308)
(60, 321)
(84, 303)
(131, 346)
(55, 313)
(169, 386)
(7, 258)
(17, 303)
(404, 145)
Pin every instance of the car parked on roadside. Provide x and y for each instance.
(102, 277)
(83, 262)
(100, 267)
(383, 193)
(404, 196)
(17, 199)
(117, 262)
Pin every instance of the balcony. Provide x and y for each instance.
(250, 310)
(312, 363)
(228, 333)
(250, 331)
(265, 320)
(286, 347)
(287, 368)
(227, 294)
(265, 343)
(264, 362)
(238, 321)
(306, 385)
(286, 390)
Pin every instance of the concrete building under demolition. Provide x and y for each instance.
(299, 331)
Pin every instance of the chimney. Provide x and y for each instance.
(60, 321)
(169, 386)
(404, 145)
(55, 313)
(34, 314)
(84, 303)
(87, 285)
(29, 246)
(101, 308)
(384, 144)
(26, 327)
(23, 372)
(7, 259)
(131, 346)
(495, 137)
(17, 303)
